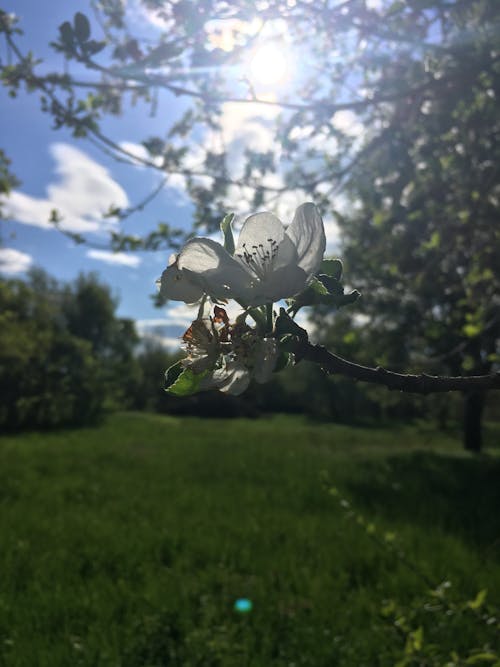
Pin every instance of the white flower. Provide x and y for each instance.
(252, 358)
(227, 355)
(205, 339)
(270, 262)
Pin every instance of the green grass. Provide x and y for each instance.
(127, 545)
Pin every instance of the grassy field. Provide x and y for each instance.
(127, 545)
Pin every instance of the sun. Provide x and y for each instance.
(268, 65)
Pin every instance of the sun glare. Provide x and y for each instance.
(268, 65)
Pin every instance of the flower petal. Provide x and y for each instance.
(307, 233)
(257, 230)
(208, 265)
(232, 379)
(174, 284)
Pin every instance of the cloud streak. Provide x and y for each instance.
(14, 261)
(82, 191)
(115, 258)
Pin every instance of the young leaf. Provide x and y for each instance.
(187, 383)
(478, 600)
(82, 27)
(227, 233)
(285, 325)
(332, 268)
(311, 295)
(67, 35)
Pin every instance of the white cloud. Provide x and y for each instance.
(109, 257)
(14, 261)
(139, 154)
(137, 151)
(169, 342)
(82, 192)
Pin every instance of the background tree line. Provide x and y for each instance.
(66, 358)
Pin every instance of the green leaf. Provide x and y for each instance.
(67, 35)
(345, 299)
(481, 657)
(187, 383)
(318, 287)
(227, 233)
(311, 295)
(82, 27)
(332, 268)
(478, 600)
(172, 373)
(92, 47)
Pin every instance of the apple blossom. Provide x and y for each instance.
(270, 262)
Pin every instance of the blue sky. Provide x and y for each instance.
(56, 170)
(79, 180)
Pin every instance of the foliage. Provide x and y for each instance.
(423, 241)
(129, 544)
(64, 356)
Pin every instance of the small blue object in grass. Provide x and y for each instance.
(243, 605)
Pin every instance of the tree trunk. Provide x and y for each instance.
(473, 410)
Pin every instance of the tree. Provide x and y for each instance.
(396, 103)
(89, 311)
(53, 370)
(423, 241)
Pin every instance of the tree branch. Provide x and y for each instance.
(417, 384)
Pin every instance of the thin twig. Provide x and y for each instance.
(417, 384)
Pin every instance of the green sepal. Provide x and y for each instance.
(285, 325)
(332, 268)
(227, 232)
(186, 383)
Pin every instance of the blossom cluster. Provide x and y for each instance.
(227, 356)
(269, 263)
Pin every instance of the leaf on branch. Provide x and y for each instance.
(81, 27)
(285, 325)
(186, 382)
(478, 601)
(67, 36)
(326, 290)
(332, 268)
(227, 233)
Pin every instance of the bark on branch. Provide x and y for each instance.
(417, 384)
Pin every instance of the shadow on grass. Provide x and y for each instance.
(459, 496)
